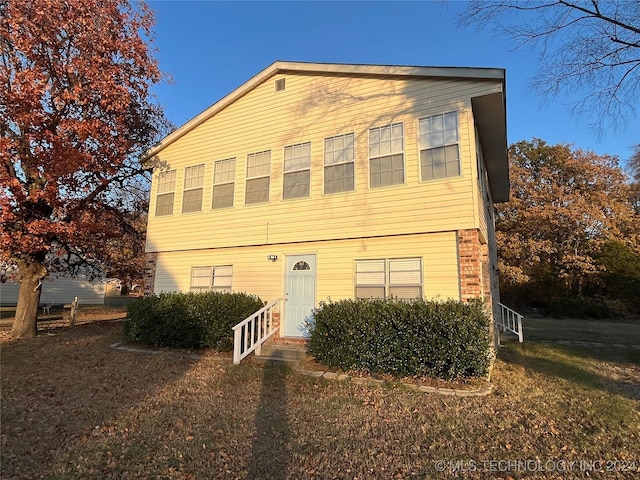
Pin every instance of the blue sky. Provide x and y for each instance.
(210, 48)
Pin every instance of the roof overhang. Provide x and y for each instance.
(490, 116)
(471, 73)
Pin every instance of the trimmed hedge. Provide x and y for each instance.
(188, 320)
(419, 338)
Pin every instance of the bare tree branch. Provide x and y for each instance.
(584, 45)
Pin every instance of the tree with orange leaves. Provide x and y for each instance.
(567, 208)
(75, 116)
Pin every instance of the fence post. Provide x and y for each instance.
(72, 314)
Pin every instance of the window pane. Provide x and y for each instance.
(296, 184)
(437, 155)
(224, 171)
(297, 157)
(201, 277)
(451, 153)
(339, 178)
(370, 265)
(437, 123)
(406, 292)
(370, 272)
(439, 170)
(338, 143)
(438, 130)
(451, 121)
(450, 136)
(437, 138)
(259, 164)
(194, 176)
(404, 264)
(328, 146)
(226, 270)
(164, 204)
(369, 292)
(221, 280)
(387, 170)
(453, 169)
(223, 195)
(192, 200)
(257, 190)
(397, 131)
(167, 182)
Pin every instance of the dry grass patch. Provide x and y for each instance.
(74, 408)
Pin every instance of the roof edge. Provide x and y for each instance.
(330, 68)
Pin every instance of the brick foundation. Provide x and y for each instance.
(470, 264)
(150, 273)
(276, 338)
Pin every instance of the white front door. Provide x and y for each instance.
(300, 293)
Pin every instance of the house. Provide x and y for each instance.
(58, 290)
(328, 181)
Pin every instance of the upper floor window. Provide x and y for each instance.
(386, 155)
(297, 171)
(339, 159)
(224, 174)
(258, 177)
(439, 152)
(192, 195)
(166, 193)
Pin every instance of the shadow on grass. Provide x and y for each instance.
(560, 365)
(270, 453)
(59, 390)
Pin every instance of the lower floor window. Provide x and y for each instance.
(211, 278)
(391, 277)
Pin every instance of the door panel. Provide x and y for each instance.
(300, 293)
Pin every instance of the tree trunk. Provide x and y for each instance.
(31, 275)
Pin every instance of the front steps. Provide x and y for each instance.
(282, 354)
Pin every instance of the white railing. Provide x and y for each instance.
(253, 331)
(510, 320)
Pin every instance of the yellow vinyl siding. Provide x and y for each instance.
(312, 108)
(253, 273)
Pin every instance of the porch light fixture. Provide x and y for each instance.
(272, 258)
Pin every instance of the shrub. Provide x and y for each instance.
(188, 320)
(419, 338)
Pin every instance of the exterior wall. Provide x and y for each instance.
(311, 108)
(253, 273)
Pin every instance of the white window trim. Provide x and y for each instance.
(444, 112)
(285, 171)
(404, 156)
(324, 165)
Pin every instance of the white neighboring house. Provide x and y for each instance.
(58, 289)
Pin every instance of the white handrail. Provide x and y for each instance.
(253, 331)
(510, 320)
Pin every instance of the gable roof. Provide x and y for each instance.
(489, 110)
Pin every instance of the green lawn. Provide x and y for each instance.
(74, 408)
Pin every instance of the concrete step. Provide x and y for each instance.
(282, 354)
